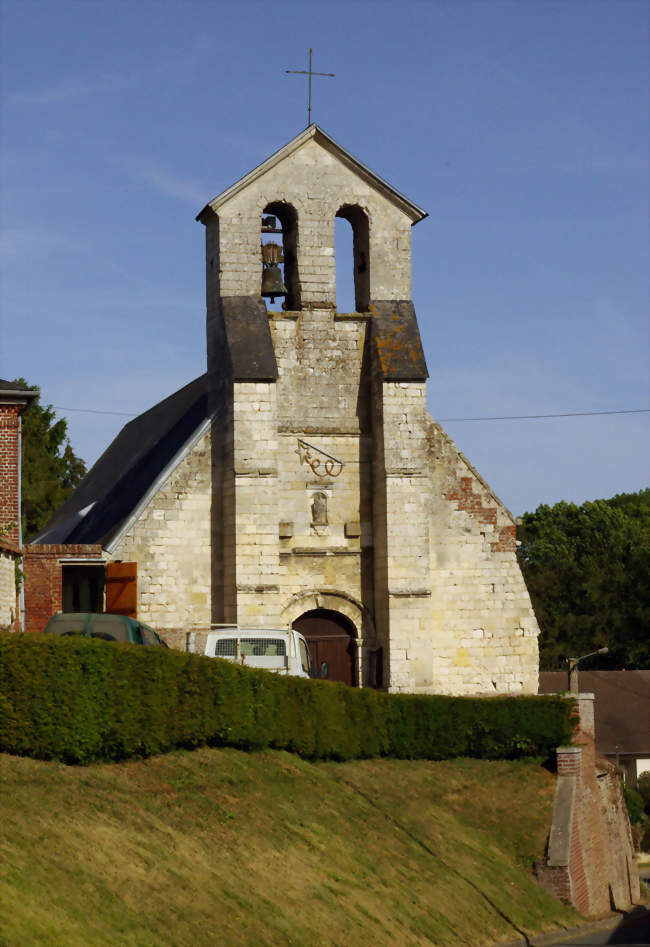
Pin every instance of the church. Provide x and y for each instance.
(301, 481)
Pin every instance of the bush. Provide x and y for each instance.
(634, 803)
(645, 839)
(79, 700)
(643, 785)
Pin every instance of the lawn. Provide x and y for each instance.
(218, 846)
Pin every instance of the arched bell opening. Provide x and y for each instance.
(331, 640)
(280, 255)
(358, 220)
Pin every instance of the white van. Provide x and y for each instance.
(282, 650)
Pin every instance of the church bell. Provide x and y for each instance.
(272, 284)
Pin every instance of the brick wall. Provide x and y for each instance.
(9, 467)
(42, 567)
(590, 858)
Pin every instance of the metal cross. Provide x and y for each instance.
(310, 73)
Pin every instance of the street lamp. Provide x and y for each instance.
(573, 668)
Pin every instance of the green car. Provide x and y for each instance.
(106, 627)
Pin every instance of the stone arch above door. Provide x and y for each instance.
(347, 606)
(333, 601)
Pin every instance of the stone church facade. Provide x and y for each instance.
(302, 477)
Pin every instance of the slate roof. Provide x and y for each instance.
(622, 707)
(128, 469)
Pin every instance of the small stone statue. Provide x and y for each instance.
(319, 510)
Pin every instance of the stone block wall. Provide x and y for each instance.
(590, 859)
(483, 627)
(43, 575)
(402, 519)
(254, 553)
(9, 618)
(171, 543)
(400, 534)
(223, 606)
(281, 554)
(233, 239)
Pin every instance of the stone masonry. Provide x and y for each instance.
(320, 481)
(409, 543)
(8, 599)
(170, 541)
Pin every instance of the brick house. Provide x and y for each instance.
(301, 480)
(14, 399)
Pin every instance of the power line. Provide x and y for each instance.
(504, 417)
(121, 414)
(534, 417)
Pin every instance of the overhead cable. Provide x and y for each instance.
(503, 417)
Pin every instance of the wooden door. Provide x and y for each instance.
(122, 588)
(331, 644)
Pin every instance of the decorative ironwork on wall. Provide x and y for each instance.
(321, 463)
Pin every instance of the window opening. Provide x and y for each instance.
(82, 588)
(352, 289)
(279, 250)
(343, 242)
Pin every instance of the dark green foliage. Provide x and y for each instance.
(643, 785)
(634, 803)
(50, 468)
(78, 700)
(645, 840)
(586, 568)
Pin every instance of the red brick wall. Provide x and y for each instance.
(43, 579)
(465, 499)
(9, 466)
(601, 871)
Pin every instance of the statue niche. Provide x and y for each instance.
(319, 509)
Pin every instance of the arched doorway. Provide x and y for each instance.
(330, 637)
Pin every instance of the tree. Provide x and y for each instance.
(586, 568)
(50, 468)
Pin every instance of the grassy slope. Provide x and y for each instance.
(218, 846)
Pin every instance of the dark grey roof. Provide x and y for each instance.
(397, 342)
(15, 391)
(13, 386)
(247, 341)
(128, 468)
(622, 707)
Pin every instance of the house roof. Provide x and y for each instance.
(622, 707)
(316, 133)
(15, 392)
(141, 456)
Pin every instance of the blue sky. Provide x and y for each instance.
(520, 127)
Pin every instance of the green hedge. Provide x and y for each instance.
(79, 700)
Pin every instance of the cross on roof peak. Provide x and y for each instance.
(309, 72)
